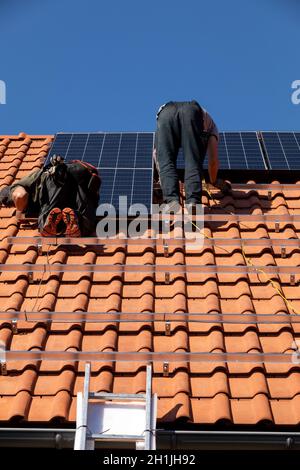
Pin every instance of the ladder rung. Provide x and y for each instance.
(120, 396)
(116, 437)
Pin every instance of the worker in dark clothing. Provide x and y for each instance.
(63, 196)
(187, 125)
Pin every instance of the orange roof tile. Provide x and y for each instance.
(215, 392)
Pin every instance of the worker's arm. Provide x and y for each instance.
(19, 196)
(213, 160)
(20, 191)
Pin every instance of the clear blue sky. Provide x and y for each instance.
(95, 65)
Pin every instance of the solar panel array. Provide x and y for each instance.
(283, 150)
(237, 151)
(124, 161)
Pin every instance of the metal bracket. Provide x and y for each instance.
(140, 445)
(276, 226)
(283, 252)
(14, 324)
(3, 367)
(166, 369)
(269, 195)
(166, 223)
(167, 278)
(40, 249)
(30, 277)
(293, 279)
(168, 328)
(166, 249)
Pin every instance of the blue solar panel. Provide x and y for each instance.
(107, 177)
(253, 152)
(236, 154)
(142, 180)
(144, 148)
(110, 151)
(237, 151)
(283, 150)
(180, 159)
(77, 146)
(60, 145)
(127, 151)
(122, 187)
(124, 161)
(93, 149)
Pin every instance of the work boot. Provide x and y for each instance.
(50, 227)
(71, 221)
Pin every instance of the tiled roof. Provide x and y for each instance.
(241, 393)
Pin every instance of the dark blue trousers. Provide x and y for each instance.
(180, 124)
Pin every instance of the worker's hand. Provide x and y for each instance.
(222, 185)
(56, 159)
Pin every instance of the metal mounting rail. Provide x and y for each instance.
(158, 242)
(145, 356)
(213, 217)
(264, 186)
(250, 217)
(150, 317)
(147, 269)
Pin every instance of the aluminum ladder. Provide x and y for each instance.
(85, 437)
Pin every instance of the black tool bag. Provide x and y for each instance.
(56, 189)
(87, 181)
(86, 176)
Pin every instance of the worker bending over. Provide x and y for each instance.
(64, 197)
(185, 124)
